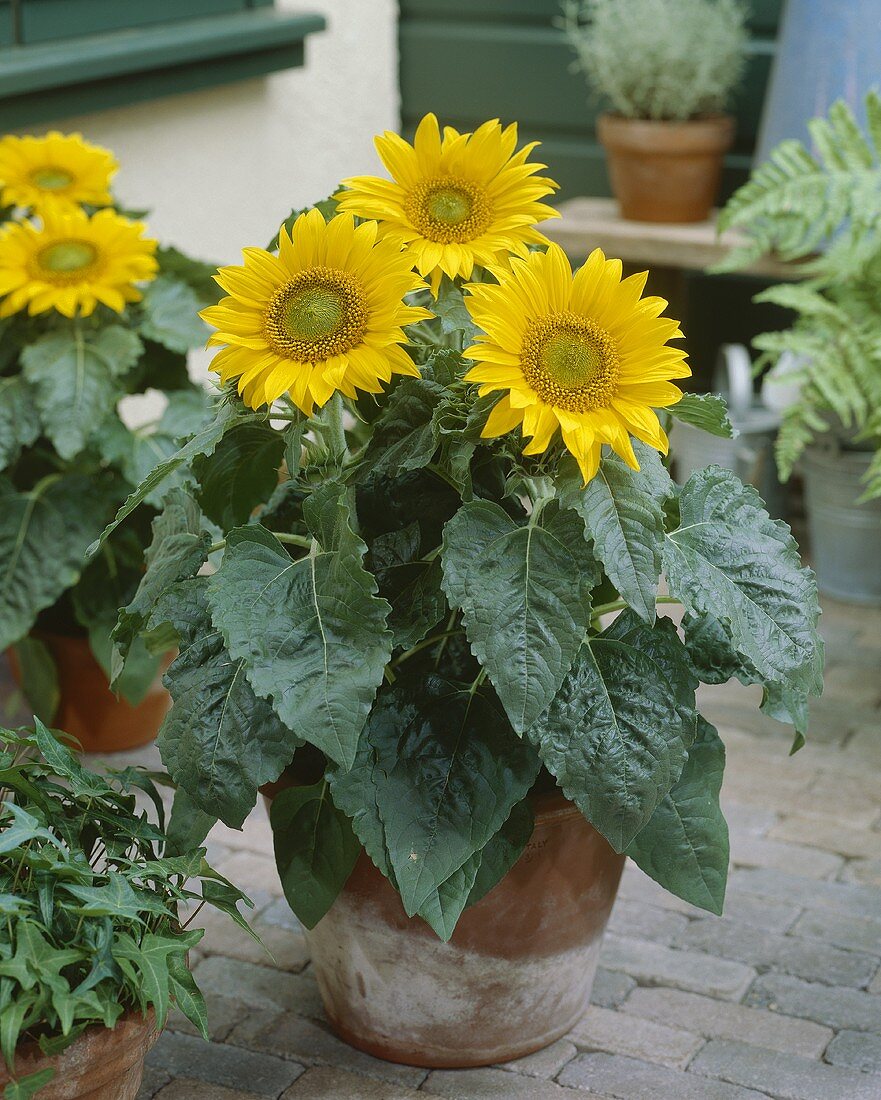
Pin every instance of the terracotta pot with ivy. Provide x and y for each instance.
(441, 638)
(92, 315)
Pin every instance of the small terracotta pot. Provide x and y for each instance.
(102, 1064)
(515, 976)
(665, 171)
(88, 709)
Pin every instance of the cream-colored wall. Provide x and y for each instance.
(221, 168)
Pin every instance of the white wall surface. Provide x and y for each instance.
(220, 169)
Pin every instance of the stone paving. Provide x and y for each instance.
(780, 997)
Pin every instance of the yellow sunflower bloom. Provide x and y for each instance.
(325, 314)
(58, 172)
(455, 201)
(74, 262)
(586, 355)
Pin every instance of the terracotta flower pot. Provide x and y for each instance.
(102, 1064)
(516, 975)
(88, 709)
(665, 171)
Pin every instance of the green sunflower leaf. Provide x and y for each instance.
(76, 378)
(706, 411)
(524, 593)
(170, 310)
(241, 473)
(405, 435)
(19, 419)
(623, 512)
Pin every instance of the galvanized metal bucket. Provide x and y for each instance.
(750, 454)
(845, 535)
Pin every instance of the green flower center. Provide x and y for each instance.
(570, 362)
(51, 179)
(448, 210)
(319, 313)
(66, 261)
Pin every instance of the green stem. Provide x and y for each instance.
(423, 645)
(291, 540)
(478, 680)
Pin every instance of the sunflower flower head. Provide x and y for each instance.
(457, 200)
(586, 355)
(72, 262)
(57, 172)
(325, 314)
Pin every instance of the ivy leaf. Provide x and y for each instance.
(23, 1088)
(312, 633)
(405, 435)
(315, 849)
(150, 958)
(179, 548)
(202, 443)
(623, 512)
(241, 473)
(615, 735)
(219, 741)
(171, 315)
(684, 846)
(728, 559)
(525, 599)
(706, 411)
(76, 379)
(19, 419)
(43, 537)
(443, 771)
(186, 994)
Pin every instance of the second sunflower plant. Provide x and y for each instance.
(419, 562)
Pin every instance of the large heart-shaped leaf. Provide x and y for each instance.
(77, 380)
(443, 770)
(171, 315)
(684, 846)
(524, 592)
(706, 411)
(241, 473)
(729, 559)
(311, 632)
(623, 512)
(43, 538)
(19, 420)
(616, 735)
(219, 741)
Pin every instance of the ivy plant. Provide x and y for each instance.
(93, 894)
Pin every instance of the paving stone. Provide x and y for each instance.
(826, 1004)
(722, 1020)
(188, 1088)
(610, 987)
(153, 1080)
(254, 836)
(830, 836)
(630, 1079)
(254, 874)
(260, 987)
(499, 1084)
(283, 948)
(858, 933)
(651, 963)
(856, 1049)
(217, 1064)
(867, 871)
(545, 1063)
(752, 820)
(875, 983)
(860, 808)
(288, 1036)
(753, 851)
(782, 1075)
(850, 684)
(615, 1033)
(223, 1015)
(280, 913)
(789, 954)
(646, 922)
(848, 897)
(325, 1083)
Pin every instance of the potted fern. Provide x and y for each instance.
(93, 941)
(92, 315)
(821, 209)
(667, 70)
(438, 644)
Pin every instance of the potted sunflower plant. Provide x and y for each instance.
(95, 934)
(91, 313)
(667, 71)
(436, 644)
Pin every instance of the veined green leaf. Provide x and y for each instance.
(240, 474)
(706, 411)
(19, 419)
(171, 315)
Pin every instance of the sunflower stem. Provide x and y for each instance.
(290, 540)
(433, 640)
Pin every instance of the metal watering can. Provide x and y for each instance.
(750, 454)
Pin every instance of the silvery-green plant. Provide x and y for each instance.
(659, 59)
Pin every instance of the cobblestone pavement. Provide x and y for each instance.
(780, 997)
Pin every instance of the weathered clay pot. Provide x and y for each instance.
(516, 975)
(665, 171)
(88, 709)
(102, 1064)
